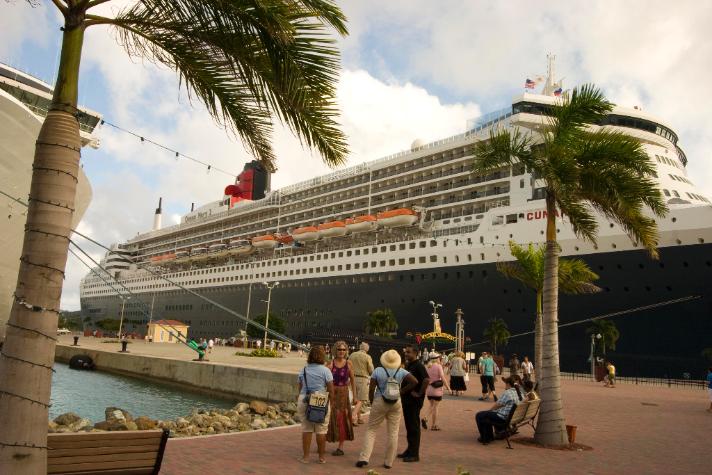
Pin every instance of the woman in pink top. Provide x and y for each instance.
(435, 390)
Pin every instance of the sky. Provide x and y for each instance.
(411, 70)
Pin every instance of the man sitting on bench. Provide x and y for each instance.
(499, 413)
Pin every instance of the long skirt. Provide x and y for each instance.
(340, 424)
(457, 383)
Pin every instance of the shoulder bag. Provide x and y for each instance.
(317, 403)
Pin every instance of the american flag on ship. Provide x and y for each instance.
(529, 84)
(558, 92)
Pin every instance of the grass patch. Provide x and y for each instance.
(261, 353)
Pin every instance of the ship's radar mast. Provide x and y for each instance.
(551, 86)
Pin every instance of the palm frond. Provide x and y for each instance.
(503, 147)
(575, 277)
(585, 105)
(579, 215)
(248, 61)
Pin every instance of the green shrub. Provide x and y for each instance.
(266, 353)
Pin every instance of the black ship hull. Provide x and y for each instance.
(662, 341)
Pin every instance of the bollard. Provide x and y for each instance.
(76, 341)
(124, 344)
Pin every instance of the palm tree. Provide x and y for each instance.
(608, 331)
(247, 62)
(584, 168)
(496, 333)
(575, 277)
(381, 322)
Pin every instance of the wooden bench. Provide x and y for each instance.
(521, 414)
(136, 452)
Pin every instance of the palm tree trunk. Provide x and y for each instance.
(28, 351)
(538, 338)
(551, 429)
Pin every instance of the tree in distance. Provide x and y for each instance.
(276, 323)
(609, 334)
(497, 333)
(575, 277)
(381, 322)
(250, 63)
(584, 168)
(109, 324)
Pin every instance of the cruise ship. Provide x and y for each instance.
(24, 101)
(416, 226)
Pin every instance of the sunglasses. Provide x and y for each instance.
(341, 349)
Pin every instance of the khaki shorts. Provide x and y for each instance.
(362, 385)
(314, 427)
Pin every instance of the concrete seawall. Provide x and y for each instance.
(244, 383)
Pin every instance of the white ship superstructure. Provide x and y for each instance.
(420, 215)
(24, 101)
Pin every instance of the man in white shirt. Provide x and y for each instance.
(211, 343)
(527, 369)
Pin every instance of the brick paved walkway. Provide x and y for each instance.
(632, 429)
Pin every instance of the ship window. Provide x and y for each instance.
(447, 221)
(411, 260)
(433, 258)
(318, 257)
(421, 259)
(422, 244)
(433, 243)
(383, 248)
(667, 193)
(497, 220)
(675, 193)
(348, 253)
(511, 218)
(383, 263)
(411, 245)
(374, 250)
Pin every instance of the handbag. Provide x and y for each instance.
(437, 384)
(467, 377)
(317, 403)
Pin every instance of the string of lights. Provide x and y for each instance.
(174, 152)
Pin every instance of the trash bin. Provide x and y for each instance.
(124, 344)
(76, 341)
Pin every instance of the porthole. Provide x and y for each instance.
(678, 241)
(700, 240)
(576, 248)
(674, 219)
(610, 224)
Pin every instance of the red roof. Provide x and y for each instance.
(169, 322)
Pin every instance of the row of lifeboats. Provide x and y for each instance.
(359, 224)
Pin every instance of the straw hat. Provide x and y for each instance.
(391, 359)
(433, 355)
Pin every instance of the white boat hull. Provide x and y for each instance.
(398, 221)
(362, 227)
(333, 232)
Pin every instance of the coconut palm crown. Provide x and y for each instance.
(575, 277)
(250, 62)
(583, 169)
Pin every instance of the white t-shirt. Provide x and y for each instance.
(527, 367)
(211, 343)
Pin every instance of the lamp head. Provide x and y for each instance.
(432, 303)
(598, 336)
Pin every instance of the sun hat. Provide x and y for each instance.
(391, 359)
(434, 355)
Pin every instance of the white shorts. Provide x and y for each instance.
(312, 426)
(709, 392)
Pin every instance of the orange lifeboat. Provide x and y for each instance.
(268, 241)
(285, 239)
(397, 217)
(361, 224)
(332, 229)
(306, 233)
(163, 257)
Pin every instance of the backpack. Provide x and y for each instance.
(317, 403)
(391, 393)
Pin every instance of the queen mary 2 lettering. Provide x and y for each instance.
(416, 226)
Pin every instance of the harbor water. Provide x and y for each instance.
(88, 393)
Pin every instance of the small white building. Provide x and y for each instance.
(165, 331)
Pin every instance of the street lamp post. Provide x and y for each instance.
(460, 331)
(121, 321)
(436, 318)
(269, 299)
(594, 337)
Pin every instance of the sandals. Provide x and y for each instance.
(303, 460)
(337, 452)
(435, 428)
(424, 423)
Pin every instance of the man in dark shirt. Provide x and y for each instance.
(412, 403)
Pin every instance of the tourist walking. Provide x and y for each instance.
(499, 413)
(434, 393)
(527, 369)
(387, 385)
(458, 370)
(413, 403)
(211, 344)
(340, 423)
(611, 378)
(514, 364)
(314, 378)
(362, 365)
(487, 368)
